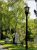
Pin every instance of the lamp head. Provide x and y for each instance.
(27, 10)
(35, 12)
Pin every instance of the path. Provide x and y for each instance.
(1, 48)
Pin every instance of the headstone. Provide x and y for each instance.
(7, 40)
(17, 38)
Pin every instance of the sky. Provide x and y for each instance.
(32, 6)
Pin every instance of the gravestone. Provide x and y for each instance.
(17, 38)
(7, 41)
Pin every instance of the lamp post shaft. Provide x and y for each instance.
(26, 32)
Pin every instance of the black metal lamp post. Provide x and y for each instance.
(26, 12)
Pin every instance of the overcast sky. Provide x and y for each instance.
(32, 5)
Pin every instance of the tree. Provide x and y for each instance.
(12, 13)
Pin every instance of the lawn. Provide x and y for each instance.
(2, 41)
(22, 49)
(14, 47)
(11, 46)
(32, 49)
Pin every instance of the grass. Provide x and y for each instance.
(32, 49)
(16, 47)
(7, 45)
(2, 41)
(10, 46)
(22, 49)
(13, 47)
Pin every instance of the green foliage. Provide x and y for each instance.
(12, 16)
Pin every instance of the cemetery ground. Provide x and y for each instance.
(10, 46)
(4, 46)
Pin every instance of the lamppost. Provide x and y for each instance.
(26, 12)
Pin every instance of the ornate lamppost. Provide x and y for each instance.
(26, 13)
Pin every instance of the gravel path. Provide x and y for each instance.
(1, 48)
